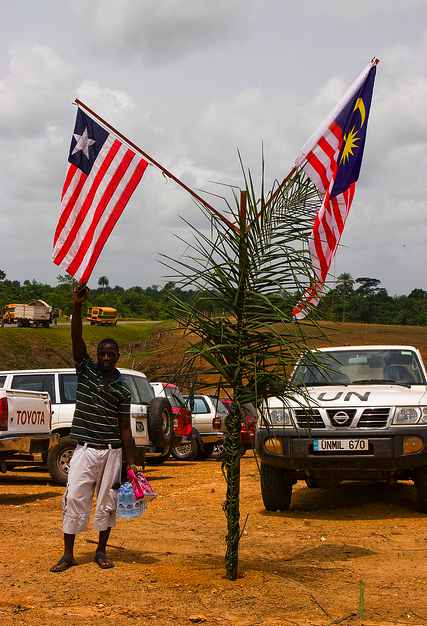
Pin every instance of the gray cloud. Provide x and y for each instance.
(193, 82)
(161, 31)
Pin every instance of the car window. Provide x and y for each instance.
(219, 406)
(174, 396)
(2, 379)
(169, 395)
(141, 390)
(179, 398)
(35, 382)
(201, 406)
(68, 387)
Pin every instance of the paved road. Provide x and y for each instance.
(88, 324)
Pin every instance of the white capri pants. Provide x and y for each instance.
(90, 468)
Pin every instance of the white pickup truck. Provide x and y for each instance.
(25, 424)
(151, 418)
(361, 414)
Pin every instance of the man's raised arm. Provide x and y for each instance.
(79, 346)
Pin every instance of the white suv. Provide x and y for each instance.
(208, 418)
(360, 414)
(151, 417)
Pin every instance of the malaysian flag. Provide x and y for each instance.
(332, 158)
(102, 174)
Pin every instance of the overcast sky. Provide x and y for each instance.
(191, 82)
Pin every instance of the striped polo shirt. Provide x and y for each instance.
(98, 409)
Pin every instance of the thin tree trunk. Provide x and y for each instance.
(233, 447)
(234, 451)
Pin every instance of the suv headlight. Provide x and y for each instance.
(407, 415)
(279, 417)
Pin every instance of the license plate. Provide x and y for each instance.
(340, 445)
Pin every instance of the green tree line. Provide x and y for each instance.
(133, 303)
(350, 300)
(364, 300)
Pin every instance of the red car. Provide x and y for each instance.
(247, 434)
(182, 425)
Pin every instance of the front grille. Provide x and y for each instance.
(341, 418)
(374, 418)
(307, 418)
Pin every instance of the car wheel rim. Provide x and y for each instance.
(182, 450)
(64, 460)
(165, 422)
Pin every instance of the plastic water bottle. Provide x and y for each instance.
(136, 506)
(120, 503)
(128, 502)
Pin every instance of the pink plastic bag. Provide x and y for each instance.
(141, 487)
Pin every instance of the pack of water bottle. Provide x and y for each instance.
(127, 505)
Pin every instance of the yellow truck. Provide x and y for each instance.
(102, 315)
(9, 313)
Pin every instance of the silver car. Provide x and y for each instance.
(208, 418)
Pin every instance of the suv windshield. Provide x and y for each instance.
(348, 367)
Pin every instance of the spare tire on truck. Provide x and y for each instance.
(160, 422)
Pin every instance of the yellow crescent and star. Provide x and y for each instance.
(351, 138)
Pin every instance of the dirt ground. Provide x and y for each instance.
(304, 566)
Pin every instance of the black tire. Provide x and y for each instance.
(275, 489)
(160, 422)
(58, 460)
(157, 460)
(202, 455)
(218, 451)
(421, 483)
(186, 452)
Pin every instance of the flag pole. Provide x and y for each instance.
(161, 168)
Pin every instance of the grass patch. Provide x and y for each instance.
(32, 348)
(152, 349)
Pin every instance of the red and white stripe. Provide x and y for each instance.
(319, 160)
(330, 219)
(91, 206)
(329, 224)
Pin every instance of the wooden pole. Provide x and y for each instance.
(233, 445)
(160, 167)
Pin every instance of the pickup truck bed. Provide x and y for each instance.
(25, 424)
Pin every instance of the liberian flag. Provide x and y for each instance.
(332, 158)
(102, 174)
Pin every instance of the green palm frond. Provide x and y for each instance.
(254, 276)
(253, 273)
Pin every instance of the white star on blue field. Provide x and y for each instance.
(83, 143)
